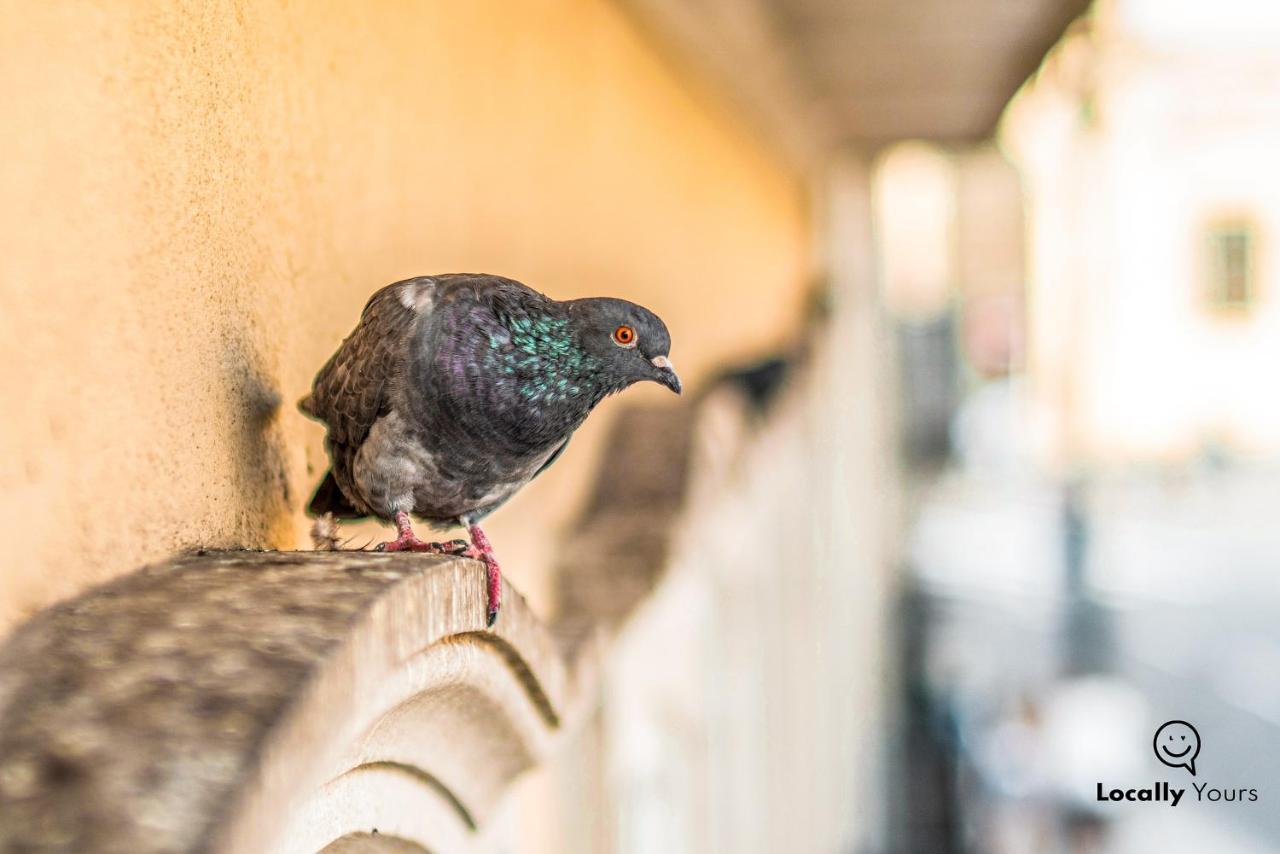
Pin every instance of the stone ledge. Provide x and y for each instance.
(258, 701)
(304, 701)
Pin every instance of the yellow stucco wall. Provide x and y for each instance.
(197, 198)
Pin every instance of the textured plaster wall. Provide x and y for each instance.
(197, 198)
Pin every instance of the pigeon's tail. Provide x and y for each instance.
(329, 499)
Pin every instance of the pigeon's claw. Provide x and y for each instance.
(413, 544)
(400, 544)
(478, 548)
(457, 548)
(481, 550)
(407, 541)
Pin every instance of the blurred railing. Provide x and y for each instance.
(259, 701)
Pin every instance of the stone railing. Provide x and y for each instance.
(306, 701)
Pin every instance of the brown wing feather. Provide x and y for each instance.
(351, 391)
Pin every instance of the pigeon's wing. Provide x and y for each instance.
(555, 456)
(353, 389)
(329, 498)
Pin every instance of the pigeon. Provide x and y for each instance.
(454, 391)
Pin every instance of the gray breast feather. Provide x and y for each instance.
(395, 471)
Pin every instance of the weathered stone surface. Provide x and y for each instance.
(187, 707)
(304, 701)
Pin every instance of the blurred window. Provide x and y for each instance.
(1231, 246)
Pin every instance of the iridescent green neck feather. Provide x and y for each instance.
(544, 360)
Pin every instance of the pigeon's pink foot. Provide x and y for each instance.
(413, 544)
(481, 550)
(407, 541)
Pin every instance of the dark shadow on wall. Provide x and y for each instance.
(259, 465)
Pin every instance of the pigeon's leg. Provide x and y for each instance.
(482, 550)
(407, 541)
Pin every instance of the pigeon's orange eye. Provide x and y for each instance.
(624, 336)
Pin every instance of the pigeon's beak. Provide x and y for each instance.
(666, 373)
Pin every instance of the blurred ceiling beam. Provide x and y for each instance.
(814, 74)
(737, 46)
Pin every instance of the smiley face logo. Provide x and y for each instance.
(1177, 744)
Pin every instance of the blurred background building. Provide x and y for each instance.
(1097, 545)
(977, 299)
(1144, 142)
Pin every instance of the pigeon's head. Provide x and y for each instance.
(632, 341)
